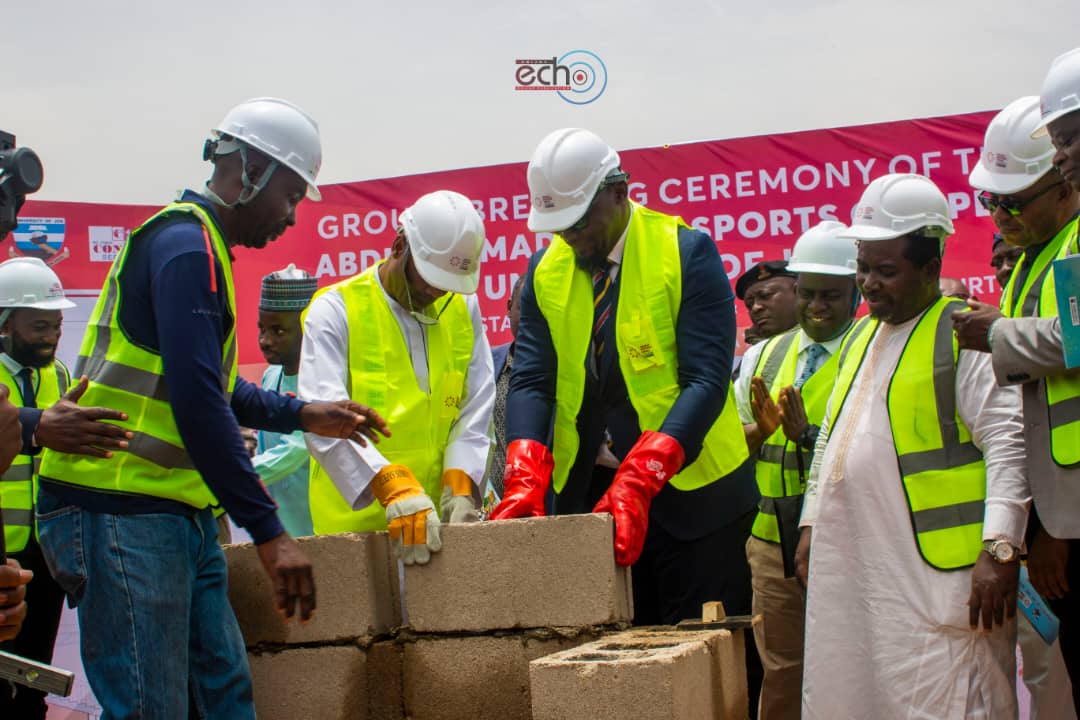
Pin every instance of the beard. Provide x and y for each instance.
(36, 356)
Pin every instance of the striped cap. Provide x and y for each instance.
(287, 290)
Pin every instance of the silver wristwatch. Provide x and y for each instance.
(1002, 551)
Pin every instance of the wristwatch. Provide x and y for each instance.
(1002, 551)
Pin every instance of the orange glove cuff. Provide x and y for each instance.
(458, 481)
(393, 483)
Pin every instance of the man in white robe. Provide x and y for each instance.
(888, 633)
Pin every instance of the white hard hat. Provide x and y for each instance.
(27, 282)
(1061, 90)
(279, 130)
(564, 174)
(897, 204)
(1011, 159)
(822, 250)
(445, 236)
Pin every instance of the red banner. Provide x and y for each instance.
(755, 196)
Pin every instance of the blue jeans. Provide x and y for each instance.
(159, 638)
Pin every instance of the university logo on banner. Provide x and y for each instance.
(40, 237)
(106, 242)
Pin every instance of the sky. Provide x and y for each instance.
(118, 97)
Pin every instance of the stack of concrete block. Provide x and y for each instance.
(496, 597)
(646, 673)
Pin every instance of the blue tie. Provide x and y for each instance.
(814, 353)
(27, 383)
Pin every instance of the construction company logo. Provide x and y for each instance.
(579, 76)
(106, 241)
(866, 212)
(543, 201)
(461, 263)
(40, 237)
(997, 159)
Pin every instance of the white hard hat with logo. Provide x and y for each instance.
(1012, 159)
(276, 128)
(446, 237)
(564, 174)
(898, 204)
(1061, 90)
(27, 282)
(822, 250)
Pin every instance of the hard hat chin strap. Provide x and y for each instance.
(249, 190)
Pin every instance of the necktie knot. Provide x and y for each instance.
(26, 381)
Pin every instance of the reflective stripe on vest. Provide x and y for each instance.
(130, 378)
(1062, 391)
(650, 292)
(18, 484)
(777, 467)
(942, 471)
(381, 376)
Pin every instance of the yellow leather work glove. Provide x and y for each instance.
(456, 504)
(410, 514)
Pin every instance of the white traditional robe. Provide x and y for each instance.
(887, 635)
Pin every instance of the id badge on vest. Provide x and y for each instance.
(639, 338)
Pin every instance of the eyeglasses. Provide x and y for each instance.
(418, 315)
(583, 221)
(1013, 206)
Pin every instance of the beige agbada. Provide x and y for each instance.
(887, 635)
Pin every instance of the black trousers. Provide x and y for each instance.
(45, 602)
(1068, 611)
(673, 578)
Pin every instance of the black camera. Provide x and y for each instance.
(20, 175)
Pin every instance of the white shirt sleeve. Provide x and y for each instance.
(742, 383)
(469, 442)
(324, 375)
(993, 413)
(810, 497)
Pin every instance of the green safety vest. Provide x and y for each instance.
(381, 377)
(18, 484)
(1038, 298)
(130, 378)
(942, 471)
(777, 466)
(650, 292)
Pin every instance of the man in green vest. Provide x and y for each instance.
(627, 331)
(406, 338)
(781, 399)
(1036, 209)
(916, 501)
(133, 540)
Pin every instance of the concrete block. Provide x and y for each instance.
(479, 678)
(328, 683)
(356, 590)
(512, 574)
(644, 674)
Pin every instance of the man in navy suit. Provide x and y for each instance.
(628, 325)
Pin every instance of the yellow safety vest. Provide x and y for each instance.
(131, 379)
(777, 467)
(381, 377)
(1038, 298)
(943, 473)
(650, 292)
(18, 484)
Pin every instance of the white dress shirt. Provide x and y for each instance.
(324, 375)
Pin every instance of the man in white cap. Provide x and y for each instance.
(627, 331)
(281, 459)
(1036, 208)
(781, 399)
(405, 337)
(917, 497)
(138, 531)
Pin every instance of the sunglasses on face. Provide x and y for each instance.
(1010, 204)
(583, 221)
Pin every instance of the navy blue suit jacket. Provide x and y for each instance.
(705, 335)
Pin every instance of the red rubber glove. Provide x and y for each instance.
(528, 474)
(652, 461)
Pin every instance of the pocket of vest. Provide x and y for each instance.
(639, 338)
